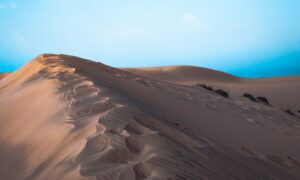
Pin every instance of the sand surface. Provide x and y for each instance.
(3, 75)
(281, 91)
(63, 117)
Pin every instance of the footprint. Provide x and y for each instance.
(94, 145)
(134, 144)
(133, 128)
(142, 171)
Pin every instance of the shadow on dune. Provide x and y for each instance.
(12, 160)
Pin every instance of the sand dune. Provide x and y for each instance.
(3, 75)
(183, 74)
(63, 117)
(283, 91)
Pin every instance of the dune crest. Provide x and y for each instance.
(63, 117)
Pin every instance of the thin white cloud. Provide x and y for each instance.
(8, 5)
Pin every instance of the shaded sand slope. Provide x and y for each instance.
(63, 117)
(282, 91)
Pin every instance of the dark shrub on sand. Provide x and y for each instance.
(264, 100)
(205, 87)
(249, 96)
(218, 91)
(288, 111)
(222, 93)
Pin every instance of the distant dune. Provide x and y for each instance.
(284, 91)
(64, 117)
(187, 75)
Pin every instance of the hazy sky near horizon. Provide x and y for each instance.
(250, 38)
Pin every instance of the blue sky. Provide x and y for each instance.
(250, 38)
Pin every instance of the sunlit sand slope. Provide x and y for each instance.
(63, 117)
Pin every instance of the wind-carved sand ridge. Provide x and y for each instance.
(64, 117)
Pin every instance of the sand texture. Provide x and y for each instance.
(63, 117)
(3, 75)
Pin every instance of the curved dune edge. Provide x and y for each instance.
(71, 122)
(185, 75)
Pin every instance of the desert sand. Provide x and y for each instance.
(3, 75)
(64, 117)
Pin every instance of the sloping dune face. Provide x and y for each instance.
(283, 91)
(185, 75)
(63, 117)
